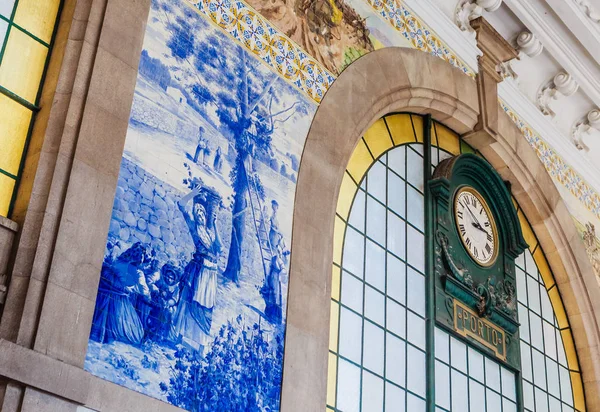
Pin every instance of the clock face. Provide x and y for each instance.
(476, 226)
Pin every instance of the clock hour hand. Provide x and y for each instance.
(475, 222)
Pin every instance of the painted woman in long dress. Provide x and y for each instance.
(199, 281)
(115, 317)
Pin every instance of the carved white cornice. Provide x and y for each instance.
(561, 44)
(560, 85)
(582, 128)
(529, 44)
(588, 9)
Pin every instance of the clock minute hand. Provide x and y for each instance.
(476, 223)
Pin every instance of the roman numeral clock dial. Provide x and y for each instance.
(476, 226)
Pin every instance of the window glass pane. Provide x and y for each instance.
(493, 401)
(476, 395)
(533, 293)
(375, 269)
(37, 17)
(352, 292)
(416, 330)
(414, 404)
(442, 385)
(442, 345)
(416, 286)
(357, 214)
(458, 355)
(414, 169)
(416, 366)
(416, 208)
(394, 398)
(22, 65)
(528, 399)
(396, 235)
(376, 182)
(373, 348)
(508, 384)
(416, 249)
(395, 360)
(460, 395)
(397, 160)
(396, 318)
(3, 27)
(492, 374)
(354, 252)
(375, 220)
(6, 189)
(372, 394)
(374, 305)
(14, 125)
(348, 389)
(476, 365)
(350, 335)
(396, 279)
(396, 194)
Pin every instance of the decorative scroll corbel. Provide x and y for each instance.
(583, 127)
(560, 85)
(467, 10)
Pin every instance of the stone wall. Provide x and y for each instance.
(151, 114)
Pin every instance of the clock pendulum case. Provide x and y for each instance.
(475, 237)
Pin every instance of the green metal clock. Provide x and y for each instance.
(476, 239)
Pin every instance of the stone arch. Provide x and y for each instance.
(392, 80)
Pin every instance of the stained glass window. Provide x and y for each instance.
(378, 354)
(26, 33)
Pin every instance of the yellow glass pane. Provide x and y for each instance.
(37, 17)
(347, 192)
(14, 125)
(22, 65)
(527, 232)
(567, 338)
(338, 239)
(578, 396)
(333, 326)
(7, 186)
(401, 128)
(378, 139)
(418, 126)
(447, 139)
(335, 283)
(559, 309)
(544, 268)
(331, 380)
(360, 161)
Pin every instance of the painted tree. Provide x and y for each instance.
(252, 102)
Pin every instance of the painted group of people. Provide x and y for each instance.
(202, 153)
(137, 302)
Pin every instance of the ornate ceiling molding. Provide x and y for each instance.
(588, 9)
(583, 127)
(561, 44)
(560, 85)
(529, 44)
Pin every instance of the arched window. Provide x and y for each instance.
(26, 34)
(382, 356)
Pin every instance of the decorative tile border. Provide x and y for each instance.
(556, 166)
(290, 61)
(253, 31)
(415, 31)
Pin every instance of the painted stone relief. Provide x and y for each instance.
(592, 247)
(192, 297)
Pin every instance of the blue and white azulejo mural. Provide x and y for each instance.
(192, 297)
